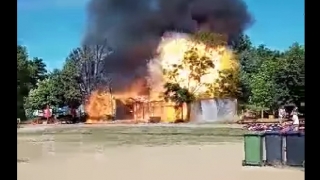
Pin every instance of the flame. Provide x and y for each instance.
(171, 52)
(99, 106)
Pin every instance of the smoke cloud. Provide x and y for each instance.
(133, 28)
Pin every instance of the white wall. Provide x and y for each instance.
(213, 110)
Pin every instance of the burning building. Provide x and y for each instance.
(102, 108)
(145, 110)
(145, 105)
(149, 38)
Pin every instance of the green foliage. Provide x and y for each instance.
(269, 78)
(243, 44)
(38, 70)
(23, 76)
(291, 78)
(177, 94)
(60, 88)
(69, 80)
(227, 86)
(44, 94)
(28, 73)
(23, 73)
(263, 85)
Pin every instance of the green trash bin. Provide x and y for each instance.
(253, 150)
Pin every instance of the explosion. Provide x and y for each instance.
(170, 65)
(144, 56)
(171, 60)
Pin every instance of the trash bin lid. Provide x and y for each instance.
(254, 134)
(294, 133)
(273, 133)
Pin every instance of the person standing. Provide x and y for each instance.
(296, 121)
(281, 114)
(73, 113)
(47, 113)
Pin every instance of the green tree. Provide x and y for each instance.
(23, 71)
(38, 70)
(46, 93)
(179, 95)
(59, 89)
(69, 82)
(265, 91)
(227, 86)
(29, 71)
(292, 76)
(243, 50)
(242, 44)
(251, 59)
(23, 80)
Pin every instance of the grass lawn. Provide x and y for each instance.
(131, 135)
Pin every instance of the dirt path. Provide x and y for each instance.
(187, 162)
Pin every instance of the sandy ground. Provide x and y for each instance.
(183, 162)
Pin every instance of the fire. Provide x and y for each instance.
(99, 106)
(102, 104)
(171, 52)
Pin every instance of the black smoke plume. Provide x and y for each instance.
(133, 28)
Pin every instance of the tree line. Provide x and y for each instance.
(266, 79)
(270, 78)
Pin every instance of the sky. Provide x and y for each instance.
(50, 29)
